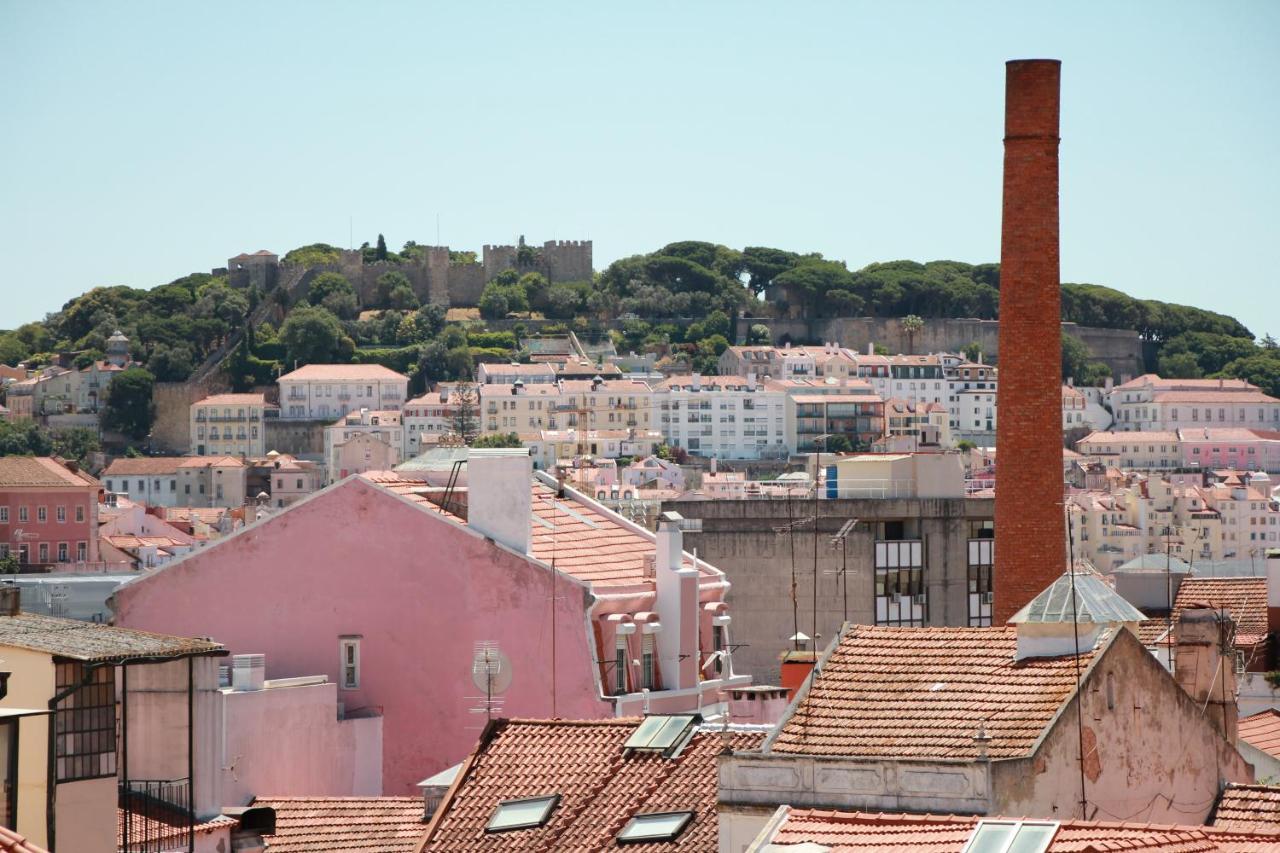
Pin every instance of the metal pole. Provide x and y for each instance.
(124, 750)
(191, 755)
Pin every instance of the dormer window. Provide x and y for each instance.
(526, 813)
(665, 826)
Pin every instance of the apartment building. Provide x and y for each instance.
(566, 404)
(1153, 403)
(327, 391)
(1140, 451)
(507, 374)
(789, 362)
(818, 411)
(230, 425)
(150, 480)
(724, 417)
(363, 441)
(212, 481)
(429, 417)
(48, 511)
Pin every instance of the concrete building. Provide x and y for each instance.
(150, 480)
(1242, 449)
(904, 561)
(427, 418)
(230, 425)
(599, 404)
(48, 513)
(327, 391)
(814, 419)
(917, 426)
(211, 481)
(1134, 450)
(895, 475)
(723, 417)
(284, 478)
(454, 573)
(1153, 403)
(363, 441)
(992, 721)
(508, 374)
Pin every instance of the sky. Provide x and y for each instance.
(140, 142)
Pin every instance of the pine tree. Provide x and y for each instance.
(380, 253)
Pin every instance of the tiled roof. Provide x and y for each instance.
(363, 824)
(1244, 598)
(600, 788)
(580, 538)
(1152, 631)
(211, 462)
(232, 400)
(143, 466)
(1262, 731)
(1242, 397)
(162, 826)
(1104, 437)
(12, 842)
(93, 641)
(925, 692)
(209, 515)
(24, 471)
(1248, 808)
(342, 373)
(855, 832)
(1153, 380)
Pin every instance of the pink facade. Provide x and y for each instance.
(48, 513)
(1242, 449)
(413, 590)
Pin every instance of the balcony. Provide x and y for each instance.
(155, 816)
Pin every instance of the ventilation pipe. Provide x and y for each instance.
(677, 607)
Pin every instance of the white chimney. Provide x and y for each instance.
(751, 381)
(871, 348)
(697, 381)
(713, 465)
(499, 495)
(248, 672)
(677, 607)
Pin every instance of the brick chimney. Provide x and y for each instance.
(1030, 530)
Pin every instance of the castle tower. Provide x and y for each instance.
(118, 349)
(1030, 529)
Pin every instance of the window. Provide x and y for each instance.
(646, 662)
(85, 722)
(82, 551)
(524, 813)
(1010, 836)
(44, 552)
(42, 514)
(63, 552)
(349, 652)
(80, 514)
(620, 666)
(4, 515)
(665, 826)
(60, 513)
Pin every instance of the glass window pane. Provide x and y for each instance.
(655, 827)
(641, 736)
(521, 814)
(990, 837)
(1032, 838)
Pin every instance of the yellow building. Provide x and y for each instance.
(604, 404)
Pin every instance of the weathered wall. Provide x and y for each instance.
(1120, 349)
(171, 432)
(739, 538)
(297, 438)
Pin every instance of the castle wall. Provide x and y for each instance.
(171, 431)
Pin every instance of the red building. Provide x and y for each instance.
(48, 511)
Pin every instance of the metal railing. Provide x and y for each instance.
(155, 816)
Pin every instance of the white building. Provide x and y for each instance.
(506, 374)
(327, 391)
(1152, 403)
(229, 425)
(363, 441)
(150, 480)
(427, 418)
(726, 417)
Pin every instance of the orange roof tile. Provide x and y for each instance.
(144, 466)
(856, 832)
(342, 373)
(232, 400)
(162, 826)
(1244, 598)
(1262, 731)
(40, 471)
(924, 692)
(354, 824)
(600, 788)
(1248, 808)
(12, 842)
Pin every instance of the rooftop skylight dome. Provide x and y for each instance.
(1052, 625)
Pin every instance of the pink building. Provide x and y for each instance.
(1230, 447)
(48, 511)
(393, 587)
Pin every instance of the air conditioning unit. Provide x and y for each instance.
(918, 600)
(895, 598)
(987, 598)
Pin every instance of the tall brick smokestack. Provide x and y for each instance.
(1030, 530)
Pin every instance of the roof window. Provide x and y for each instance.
(665, 734)
(1011, 836)
(666, 826)
(525, 813)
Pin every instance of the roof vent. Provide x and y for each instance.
(248, 672)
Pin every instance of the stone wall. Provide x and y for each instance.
(1120, 349)
(171, 432)
(297, 438)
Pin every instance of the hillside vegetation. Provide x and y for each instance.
(175, 326)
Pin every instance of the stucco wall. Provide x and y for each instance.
(1150, 755)
(31, 686)
(419, 590)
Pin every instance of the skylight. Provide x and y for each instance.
(1011, 836)
(661, 733)
(654, 827)
(526, 813)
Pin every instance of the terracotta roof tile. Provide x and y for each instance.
(232, 400)
(1244, 598)
(342, 373)
(1262, 731)
(22, 471)
(855, 832)
(1152, 631)
(353, 824)
(1249, 808)
(162, 827)
(600, 787)
(143, 466)
(924, 692)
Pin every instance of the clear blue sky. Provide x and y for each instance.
(143, 141)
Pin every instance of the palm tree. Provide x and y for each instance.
(912, 324)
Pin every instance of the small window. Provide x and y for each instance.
(349, 650)
(1010, 836)
(80, 514)
(526, 813)
(666, 826)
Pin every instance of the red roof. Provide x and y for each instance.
(1248, 808)
(600, 787)
(1262, 731)
(342, 373)
(363, 824)
(925, 692)
(1244, 598)
(12, 842)
(40, 471)
(856, 832)
(163, 827)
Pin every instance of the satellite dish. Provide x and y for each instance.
(490, 669)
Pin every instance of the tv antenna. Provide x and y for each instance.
(491, 674)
